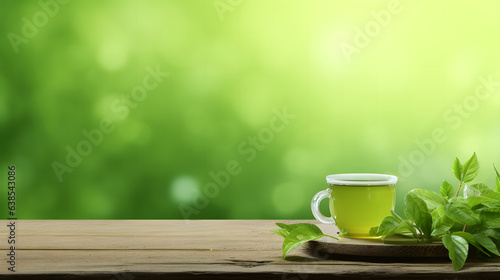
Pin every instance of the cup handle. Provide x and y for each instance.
(315, 207)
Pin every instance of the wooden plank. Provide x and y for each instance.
(93, 261)
(144, 242)
(145, 234)
(205, 249)
(144, 227)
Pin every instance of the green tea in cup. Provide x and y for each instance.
(358, 201)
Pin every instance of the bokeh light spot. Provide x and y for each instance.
(183, 189)
(113, 55)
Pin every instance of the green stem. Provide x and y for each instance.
(332, 237)
(459, 186)
(420, 234)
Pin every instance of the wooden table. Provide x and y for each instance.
(193, 249)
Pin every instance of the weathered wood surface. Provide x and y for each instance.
(196, 249)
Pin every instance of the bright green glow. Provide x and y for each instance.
(183, 189)
(113, 55)
(371, 111)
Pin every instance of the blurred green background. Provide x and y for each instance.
(369, 84)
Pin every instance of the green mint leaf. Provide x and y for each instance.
(460, 211)
(394, 225)
(498, 174)
(447, 190)
(476, 200)
(411, 228)
(284, 226)
(490, 220)
(458, 249)
(457, 169)
(387, 227)
(282, 232)
(440, 222)
(493, 207)
(343, 232)
(472, 191)
(417, 211)
(470, 169)
(431, 199)
(299, 235)
(471, 239)
(480, 190)
(396, 216)
(487, 243)
(405, 228)
(491, 233)
(497, 180)
(291, 227)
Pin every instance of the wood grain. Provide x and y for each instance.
(203, 249)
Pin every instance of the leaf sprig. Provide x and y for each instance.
(298, 234)
(457, 221)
